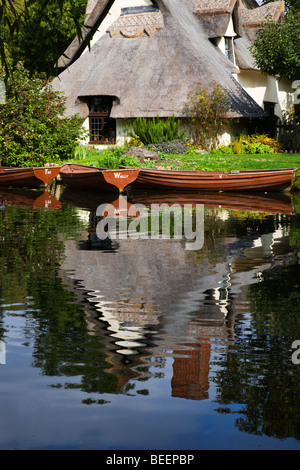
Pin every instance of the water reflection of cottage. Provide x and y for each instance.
(152, 298)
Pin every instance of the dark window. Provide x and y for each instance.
(102, 127)
(229, 48)
(269, 108)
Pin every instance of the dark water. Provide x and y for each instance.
(144, 343)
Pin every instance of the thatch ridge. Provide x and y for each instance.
(133, 25)
(213, 7)
(269, 11)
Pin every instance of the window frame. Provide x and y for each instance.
(229, 51)
(107, 128)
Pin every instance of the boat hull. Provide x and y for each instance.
(259, 180)
(28, 177)
(99, 179)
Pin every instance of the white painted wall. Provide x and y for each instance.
(266, 88)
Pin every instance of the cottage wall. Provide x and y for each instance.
(266, 89)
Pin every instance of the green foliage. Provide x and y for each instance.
(113, 158)
(83, 152)
(277, 46)
(156, 130)
(33, 130)
(134, 141)
(206, 110)
(45, 32)
(250, 144)
(38, 33)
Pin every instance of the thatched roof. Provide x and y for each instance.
(134, 25)
(244, 58)
(213, 7)
(151, 61)
(215, 14)
(253, 19)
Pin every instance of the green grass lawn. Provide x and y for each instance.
(235, 162)
(194, 161)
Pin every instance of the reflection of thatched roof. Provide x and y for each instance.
(150, 61)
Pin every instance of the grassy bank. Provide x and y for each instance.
(113, 158)
(238, 162)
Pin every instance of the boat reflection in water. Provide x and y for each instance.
(32, 198)
(151, 299)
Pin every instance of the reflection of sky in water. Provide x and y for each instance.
(55, 418)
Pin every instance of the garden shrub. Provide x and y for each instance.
(156, 130)
(134, 141)
(206, 110)
(175, 147)
(251, 144)
(33, 129)
(113, 157)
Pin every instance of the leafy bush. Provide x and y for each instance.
(134, 141)
(33, 130)
(206, 110)
(175, 147)
(272, 39)
(156, 130)
(113, 158)
(253, 144)
(264, 139)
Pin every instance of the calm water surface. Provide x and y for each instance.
(142, 343)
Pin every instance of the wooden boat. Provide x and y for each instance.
(28, 177)
(100, 179)
(250, 180)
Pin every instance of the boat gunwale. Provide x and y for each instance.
(164, 171)
(76, 167)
